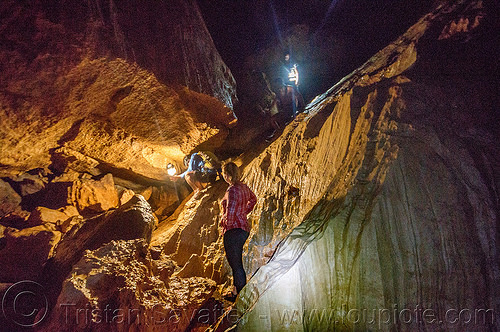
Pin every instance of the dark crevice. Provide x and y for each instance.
(119, 95)
(129, 175)
(72, 133)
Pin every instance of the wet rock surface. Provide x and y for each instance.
(380, 198)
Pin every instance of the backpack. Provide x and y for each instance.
(211, 166)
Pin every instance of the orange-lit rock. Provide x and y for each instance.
(74, 189)
(118, 287)
(95, 196)
(42, 215)
(193, 238)
(69, 223)
(126, 195)
(163, 201)
(24, 252)
(95, 93)
(133, 220)
(10, 201)
(29, 183)
(130, 221)
(382, 195)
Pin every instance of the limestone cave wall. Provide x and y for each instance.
(96, 98)
(110, 81)
(378, 208)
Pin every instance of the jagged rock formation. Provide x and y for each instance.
(377, 203)
(83, 86)
(383, 198)
(96, 98)
(17, 256)
(133, 220)
(119, 287)
(71, 234)
(192, 237)
(89, 88)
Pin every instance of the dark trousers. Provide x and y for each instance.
(234, 239)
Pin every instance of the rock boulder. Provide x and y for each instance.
(23, 253)
(118, 288)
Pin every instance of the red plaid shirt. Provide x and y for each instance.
(238, 201)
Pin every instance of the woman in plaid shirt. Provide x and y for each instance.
(238, 201)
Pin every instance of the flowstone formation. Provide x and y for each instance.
(378, 208)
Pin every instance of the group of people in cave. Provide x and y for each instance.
(202, 168)
(289, 101)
